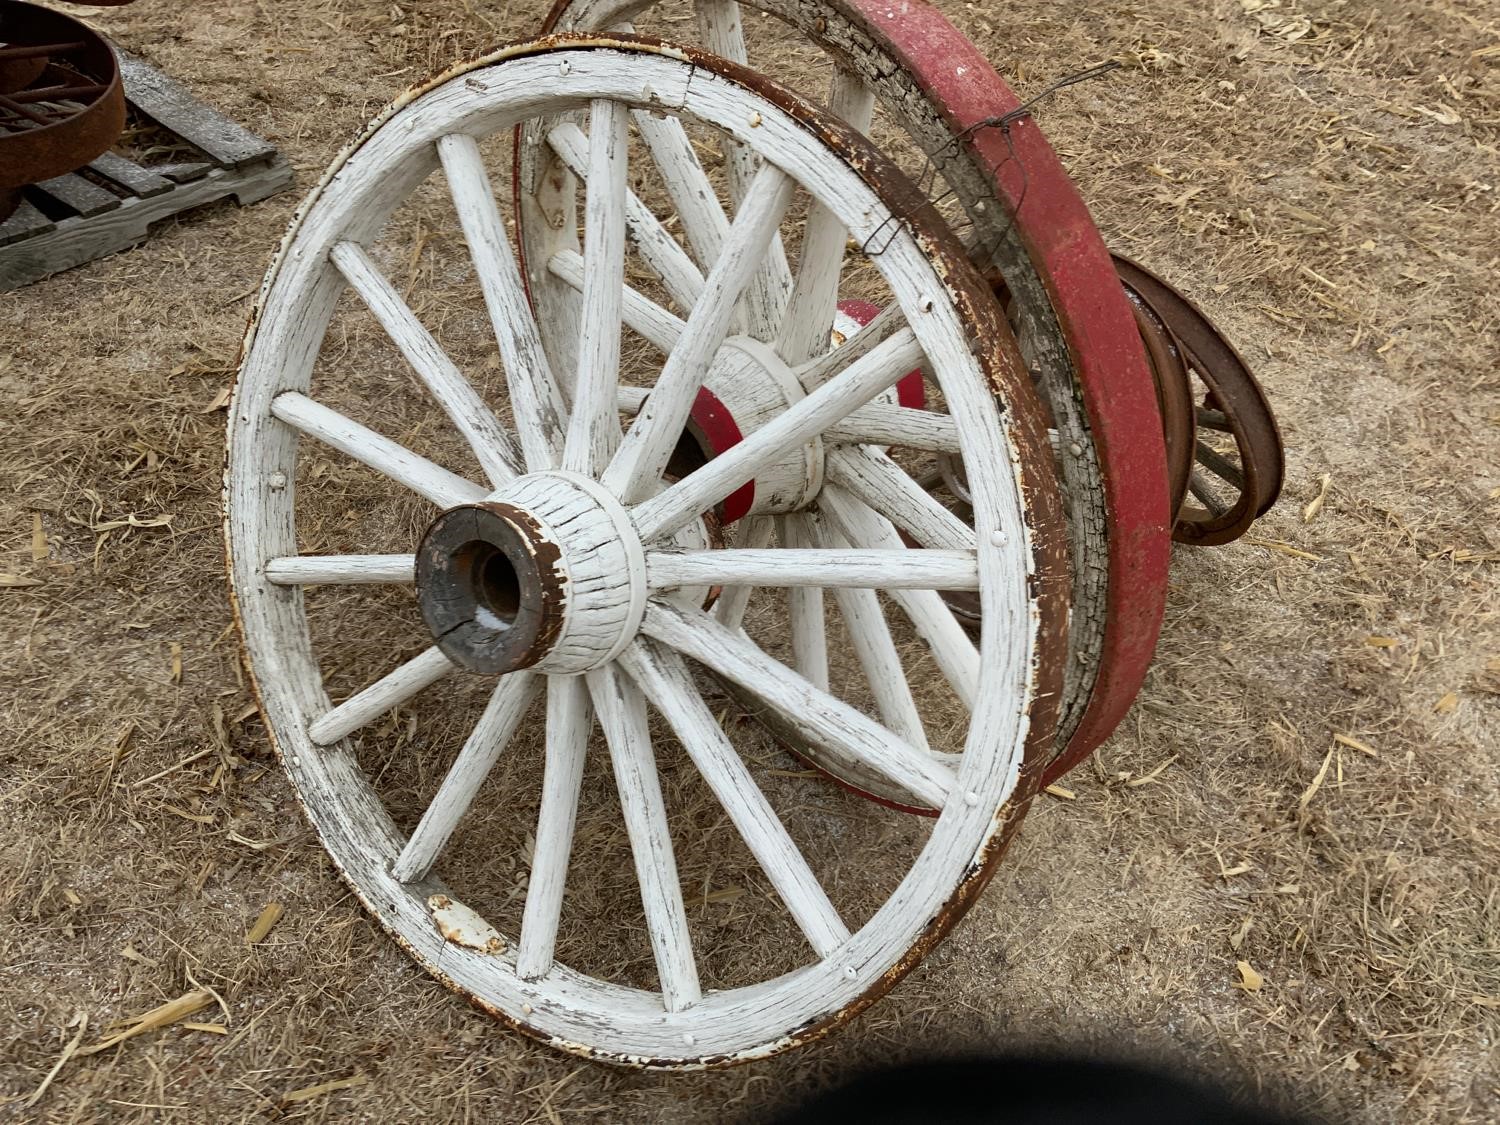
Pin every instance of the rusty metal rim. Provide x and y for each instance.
(70, 143)
(1174, 395)
(1037, 484)
(1111, 372)
(1247, 413)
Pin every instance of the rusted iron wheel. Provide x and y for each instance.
(61, 99)
(1029, 230)
(560, 562)
(1235, 478)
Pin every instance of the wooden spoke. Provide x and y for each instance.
(679, 275)
(1202, 491)
(692, 194)
(839, 567)
(951, 646)
(729, 610)
(341, 570)
(622, 714)
(822, 719)
(660, 327)
(570, 718)
(1221, 466)
(594, 430)
(805, 609)
(867, 473)
(889, 321)
(665, 679)
(415, 675)
(400, 464)
(700, 490)
(875, 649)
(722, 34)
(536, 399)
(492, 446)
(880, 424)
(807, 328)
(648, 445)
(508, 705)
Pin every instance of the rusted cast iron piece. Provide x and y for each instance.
(1174, 395)
(61, 99)
(1178, 331)
(490, 587)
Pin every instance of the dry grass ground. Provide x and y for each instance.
(1321, 174)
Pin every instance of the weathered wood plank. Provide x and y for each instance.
(31, 252)
(87, 198)
(24, 222)
(185, 173)
(167, 102)
(131, 176)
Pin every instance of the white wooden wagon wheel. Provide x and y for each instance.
(560, 580)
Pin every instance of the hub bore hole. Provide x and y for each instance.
(496, 586)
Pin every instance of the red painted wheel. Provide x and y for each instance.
(1034, 235)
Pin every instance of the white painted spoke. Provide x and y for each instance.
(951, 646)
(492, 445)
(496, 727)
(874, 478)
(594, 430)
(876, 650)
(622, 714)
(342, 570)
(389, 691)
(648, 445)
(424, 477)
(661, 328)
(729, 610)
(705, 487)
(879, 423)
(536, 400)
(806, 332)
(843, 733)
(805, 610)
(721, 33)
(679, 275)
(692, 194)
(889, 321)
(665, 679)
(570, 718)
(831, 567)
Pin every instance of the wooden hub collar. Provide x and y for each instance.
(491, 586)
(548, 574)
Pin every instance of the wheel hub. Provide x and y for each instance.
(749, 386)
(548, 574)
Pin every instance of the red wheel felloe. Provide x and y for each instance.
(1096, 319)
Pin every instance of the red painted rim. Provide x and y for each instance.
(1096, 319)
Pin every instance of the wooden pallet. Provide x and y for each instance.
(76, 218)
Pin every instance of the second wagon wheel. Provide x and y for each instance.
(496, 567)
(909, 79)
